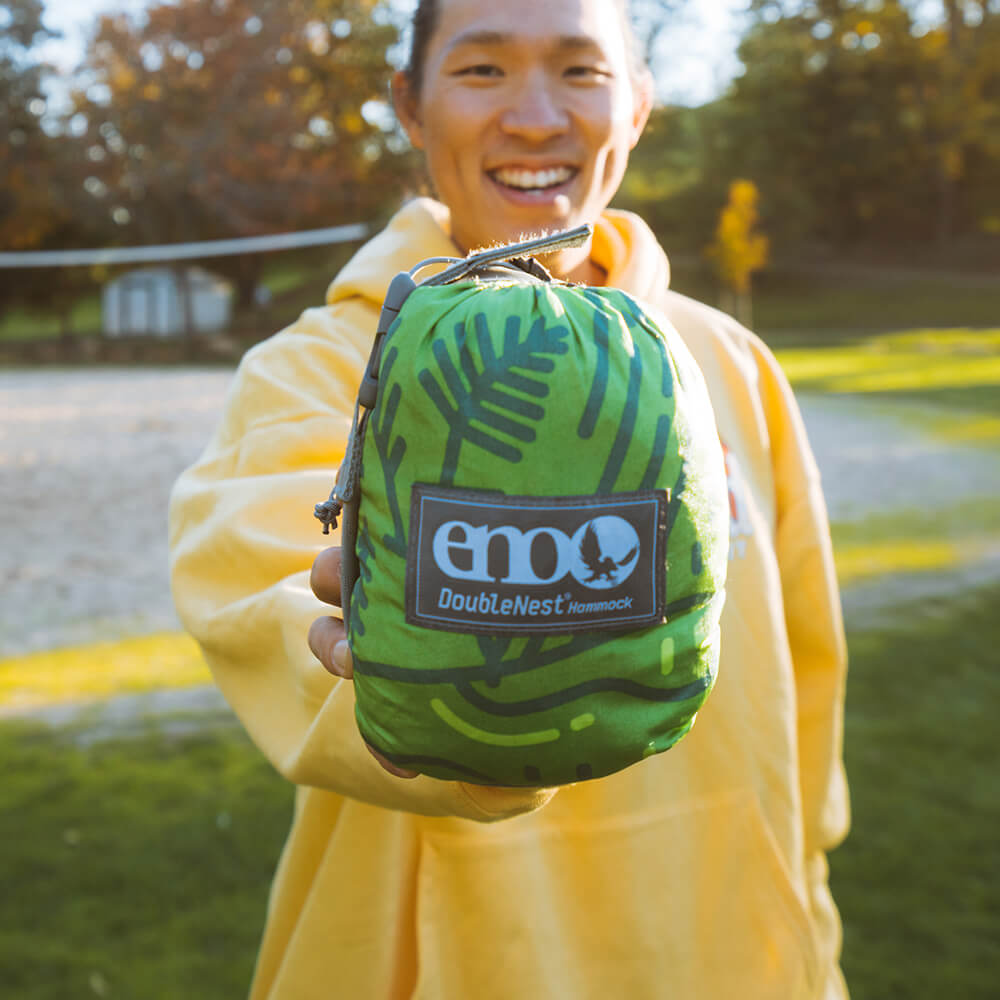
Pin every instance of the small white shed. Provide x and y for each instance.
(151, 302)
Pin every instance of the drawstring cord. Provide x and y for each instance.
(515, 256)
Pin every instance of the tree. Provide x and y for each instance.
(964, 111)
(23, 144)
(41, 195)
(863, 124)
(208, 119)
(27, 214)
(663, 178)
(737, 251)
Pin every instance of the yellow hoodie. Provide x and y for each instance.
(699, 873)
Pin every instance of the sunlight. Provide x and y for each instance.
(904, 362)
(100, 670)
(864, 561)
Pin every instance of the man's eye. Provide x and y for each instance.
(480, 69)
(587, 72)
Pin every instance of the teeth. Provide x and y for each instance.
(529, 180)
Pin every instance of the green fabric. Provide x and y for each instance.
(544, 390)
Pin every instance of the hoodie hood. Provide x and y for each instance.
(623, 246)
(420, 229)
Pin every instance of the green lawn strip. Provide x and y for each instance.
(99, 670)
(295, 281)
(917, 540)
(918, 880)
(955, 370)
(798, 302)
(971, 518)
(141, 864)
(967, 415)
(792, 301)
(28, 324)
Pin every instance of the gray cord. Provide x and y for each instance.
(497, 255)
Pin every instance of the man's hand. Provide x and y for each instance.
(328, 637)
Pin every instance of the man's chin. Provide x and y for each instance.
(503, 227)
(538, 224)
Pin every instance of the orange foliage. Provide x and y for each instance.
(737, 250)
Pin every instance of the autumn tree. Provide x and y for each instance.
(30, 209)
(963, 115)
(209, 119)
(738, 250)
(24, 146)
(862, 124)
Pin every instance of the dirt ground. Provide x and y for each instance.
(88, 457)
(87, 460)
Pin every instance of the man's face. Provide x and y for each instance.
(527, 113)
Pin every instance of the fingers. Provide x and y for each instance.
(325, 576)
(328, 642)
(389, 766)
(328, 637)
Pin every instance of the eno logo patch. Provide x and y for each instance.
(483, 562)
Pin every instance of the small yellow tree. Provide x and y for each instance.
(737, 250)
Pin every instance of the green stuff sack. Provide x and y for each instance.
(540, 521)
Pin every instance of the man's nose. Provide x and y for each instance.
(536, 112)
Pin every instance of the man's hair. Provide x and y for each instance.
(424, 22)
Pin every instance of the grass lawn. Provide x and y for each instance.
(136, 868)
(17, 324)
(807, 304)
(802, 302)
(918, 880)
(919, 540)
(951, 376)
(910, 361)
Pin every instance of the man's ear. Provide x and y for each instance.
(407, 107)
(642, 98)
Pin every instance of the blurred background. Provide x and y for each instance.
(827, 171)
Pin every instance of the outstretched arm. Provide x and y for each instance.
(243, 542)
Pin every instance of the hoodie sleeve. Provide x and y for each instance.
(243, 539)
(815, 631)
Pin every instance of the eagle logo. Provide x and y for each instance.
(606, 552)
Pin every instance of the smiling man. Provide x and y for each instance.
(697, 874)
(526, 113)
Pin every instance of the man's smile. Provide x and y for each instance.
(526, 179)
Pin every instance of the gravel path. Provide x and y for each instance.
(87, 460)
(875, 459)
(88, 457)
